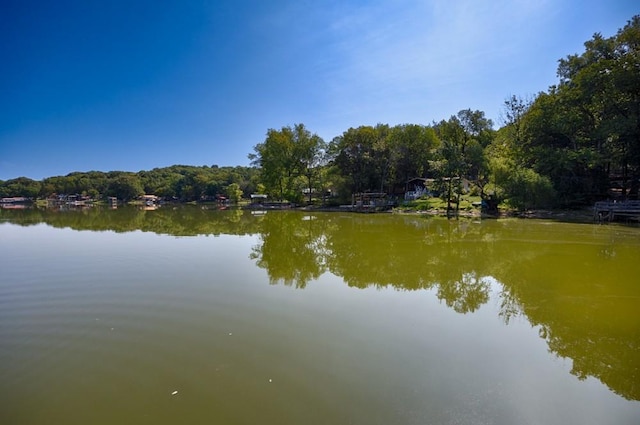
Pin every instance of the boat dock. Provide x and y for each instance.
(610, 210)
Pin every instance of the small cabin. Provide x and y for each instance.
(417, 188)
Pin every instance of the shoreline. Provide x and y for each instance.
(582, 215)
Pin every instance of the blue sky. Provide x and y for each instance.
(133, 85)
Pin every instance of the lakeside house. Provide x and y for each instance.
(74, 199)
(418, 187)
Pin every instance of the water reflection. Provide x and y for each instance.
(293, 248)
(577, 284)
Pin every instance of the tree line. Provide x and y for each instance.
(575, 143)
(178, 182)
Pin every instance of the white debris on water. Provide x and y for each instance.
(175, 392)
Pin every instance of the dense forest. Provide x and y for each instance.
(576, 143)
(178, 182)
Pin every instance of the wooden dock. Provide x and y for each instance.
(612, 210)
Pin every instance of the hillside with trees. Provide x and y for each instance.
(182, 183)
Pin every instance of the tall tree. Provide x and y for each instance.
(310, 151)
(413, 146)
(363, 155)
(285, 155)
(476, 126)
(449, 167)
(461, 155)
(512, 178)
(585, 132)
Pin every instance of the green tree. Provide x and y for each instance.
(126, 186)
(449, 167)
(21, 186)
(413, 146)
(284, 156)
(364, 157)
(311, 153)
(512, 179)
(233, 192)
(461, 155)
(585, 132)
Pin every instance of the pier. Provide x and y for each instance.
(612, 210)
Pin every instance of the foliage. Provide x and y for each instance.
(382, 158)
(234, 193)
(461, 154)
(22, 186)
(356, 158)
(125, 186)
(527, 189)
(585, 132)
(183, 182)
(413, 145)
(286, 156)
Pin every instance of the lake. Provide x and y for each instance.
(190, 315)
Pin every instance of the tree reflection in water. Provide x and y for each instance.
(576, 283)
(292, 248)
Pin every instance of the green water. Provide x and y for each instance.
(194, 316)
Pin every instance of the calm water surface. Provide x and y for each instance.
(195, 316)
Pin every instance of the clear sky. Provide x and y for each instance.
(133, 85)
